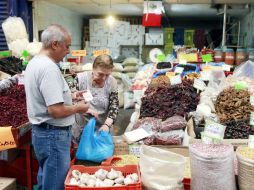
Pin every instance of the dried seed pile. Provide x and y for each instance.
(232, 104)
(245, 157)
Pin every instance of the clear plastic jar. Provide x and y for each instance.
(229, 56)
(251, 54)
(218, 55)
(241, 56)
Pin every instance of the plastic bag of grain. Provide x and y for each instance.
(245, 157)
(212, 166)
(118, 67)
(120, 95)
(131, 61)
(161, 169)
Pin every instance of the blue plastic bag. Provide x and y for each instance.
(94, 146)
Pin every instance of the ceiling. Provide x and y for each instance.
(174, 8)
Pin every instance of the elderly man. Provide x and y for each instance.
(50, 108)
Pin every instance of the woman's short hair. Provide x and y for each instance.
(54, 32)
(104, 61)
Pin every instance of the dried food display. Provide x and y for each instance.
(173, 123)
(232, 104)
(13, 106)
(11, 65)
(163, 65)
(160, 81)
(238, 130)
(164, 102)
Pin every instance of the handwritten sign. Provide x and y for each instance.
(199, 84)
(78, 53)
(100, 52)
(6, 138)
(214, 131)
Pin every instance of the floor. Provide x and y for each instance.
(122, 121)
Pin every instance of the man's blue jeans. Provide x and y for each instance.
(52, 149)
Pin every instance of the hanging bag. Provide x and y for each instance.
(94, 146)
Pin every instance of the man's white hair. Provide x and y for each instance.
(53, 33)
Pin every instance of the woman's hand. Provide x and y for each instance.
(94, 113)
(104, 128)
(78, 95)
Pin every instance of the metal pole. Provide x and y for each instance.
(238, 36)
(224, 26)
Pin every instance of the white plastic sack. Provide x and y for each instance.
(128, 100)
(161, 169)
(120, 95)
(34, 47)
(87, 67)
(117, 75)
(245, 70)
(18, 46)
(14, 28)
(118, 67)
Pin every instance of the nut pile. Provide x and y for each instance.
(160, 81)
(232, 104)
(238, 130)
(102, 178)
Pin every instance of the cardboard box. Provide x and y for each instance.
(7, 183)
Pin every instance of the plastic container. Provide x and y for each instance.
(229, 56)
(126, 170)
(251, 54)
(241, 56)
(218, 55)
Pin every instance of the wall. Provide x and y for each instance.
(47, 13)
(247, 28)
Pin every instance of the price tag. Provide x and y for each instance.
(251, 141)
(78, 53)
(199, 84)
(252, 100)
(66, 65)
(214, 130)
(183, 61)
(6, 138)
(226, 67)
(100, 52)
(88, 96)
(179, 70)
(240, 85)
(175, 80)
(205, 75)
(252, 118)
(206, 139)
(134, 149)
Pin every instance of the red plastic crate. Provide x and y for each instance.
(126, 170)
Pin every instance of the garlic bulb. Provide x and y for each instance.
(73, 181)
(76, 174)
(119, 180)
(101, 174)
(108, 182)
(128, 180)
(134, 176)
(112, 174)
(84, 177)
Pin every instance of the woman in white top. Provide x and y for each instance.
(103, 88)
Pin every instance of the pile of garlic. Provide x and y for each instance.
(102, 178)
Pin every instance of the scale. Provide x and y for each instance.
(156, 55)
